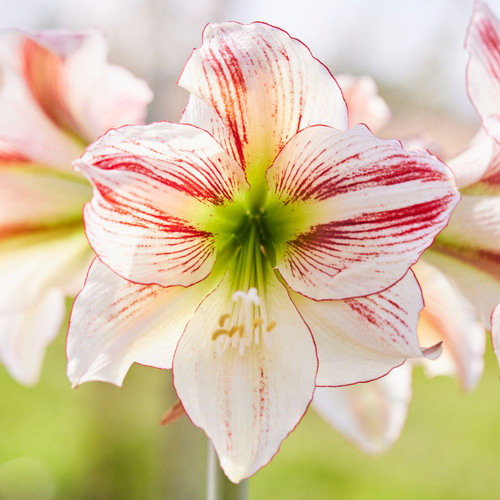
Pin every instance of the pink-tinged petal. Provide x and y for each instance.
(483, 70)
(371, 207)
(246, 403)
(33, 197)
(23, 124)
(115, 323)
(100, 95)
(449, 317)
(364, 105)
(495, 331)
(58, 92)
(31, 264)
(264, 85)
(154, 189)
(478, 166)
(362, 339)
(370, 415)
(26, 333)
(476, 282)
(474, 231)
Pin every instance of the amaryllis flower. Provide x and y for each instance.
(57, 94)
(253, 248)
(468, 251)
(459, 275)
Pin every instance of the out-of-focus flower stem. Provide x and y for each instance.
(219, 487)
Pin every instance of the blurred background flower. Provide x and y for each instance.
(103, 442)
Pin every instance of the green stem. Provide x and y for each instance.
(218, 485)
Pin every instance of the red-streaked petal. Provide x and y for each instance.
(449, 317)
(26, 333)
(35, 197)
(370, 415)
(483, 70)
(115, 323)
(364, 105)
(479, 284)
(363, 339)
(372, 209)
(264, 85)
(23, 124)
(247, 404)
(58, 92)
(154, 186)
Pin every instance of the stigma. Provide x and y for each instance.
(245, 325)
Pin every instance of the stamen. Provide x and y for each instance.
(246, 323)
(270, 326)
(223, 318)
(257, 322)
(220, 331)
(236, 329)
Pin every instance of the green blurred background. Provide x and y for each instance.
(102, 442)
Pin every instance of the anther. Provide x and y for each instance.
(236, 329)
(220, 331)
(223, 318)
(257, 322)
(270, 326)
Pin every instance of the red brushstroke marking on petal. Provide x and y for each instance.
(404, 170)
(43, 72)
(233, 92)
(329, 248)
(489, 37)
(8, 157)
(262, 393)
(177, 174)
(129, 308)
(368, 309)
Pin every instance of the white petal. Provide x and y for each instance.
(480, 161)
(480, 288)
(246, 403)
(370, 415)
(474, 231)
(26, 333)
(58, 93)
(362, 339)
(154, 188)
(372, 209)
(449, 317)
(364, 105)
(264, 86)
(115, 323)
(30, 264)
(483, 70)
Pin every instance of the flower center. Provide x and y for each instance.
(246, 262)
(243, 326)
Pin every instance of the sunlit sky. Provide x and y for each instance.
(415, 46)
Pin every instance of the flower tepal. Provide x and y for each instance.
(57, 93)
(254, 245)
